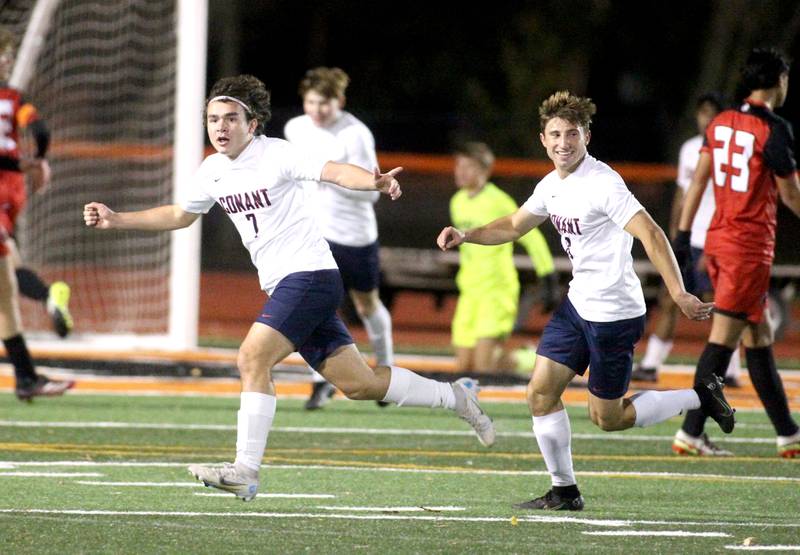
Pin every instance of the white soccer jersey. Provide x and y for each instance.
(687, 162)
(590, 208)
(262, 193)
(345, 217)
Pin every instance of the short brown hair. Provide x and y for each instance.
(7, 38)
(330, 82)
(251, 91)
(577, 110)
(480, 152)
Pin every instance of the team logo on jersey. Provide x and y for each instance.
(244, 202)
(566, 225)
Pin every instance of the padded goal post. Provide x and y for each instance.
(121, 86)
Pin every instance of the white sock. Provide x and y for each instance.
(653, 407)
(735, 366)
(656, 353)
(256, 412)
(409, 389)
(316, 377)
(379, 329)
(554, 435)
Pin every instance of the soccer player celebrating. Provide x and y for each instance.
(258, 181)
(748, 154)
(16, 114)
(345, 217)
(602, 317)
(487, 279)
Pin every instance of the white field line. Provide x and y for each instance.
(348, 431)
(51, 475)
(666, 533)
(274, 495)
(763, 547)
(140, 484)
(469, 471)
(420, 508)
(336, 516)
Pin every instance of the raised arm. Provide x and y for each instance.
(161, 218)
(789, 190)
(358, 179)
(660, 254)
(502, 230)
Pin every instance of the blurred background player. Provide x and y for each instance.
(487, 279)
(748, 154)
(346, 218)
(15, 115)
(660, 342)
(54, 297)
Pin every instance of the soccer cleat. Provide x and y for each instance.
(58, 308)
(468, 409)
(713, 402)
(42, 387)
(321, 394)
(789, 446)
(551, 501)
(642, 374)
(240, 481)
(684, 444)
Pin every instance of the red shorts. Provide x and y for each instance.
(740, 286)
(12, 200)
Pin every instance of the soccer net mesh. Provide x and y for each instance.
(105, 83)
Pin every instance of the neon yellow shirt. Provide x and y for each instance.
(488, 267)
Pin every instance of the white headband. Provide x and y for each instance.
(232, 99)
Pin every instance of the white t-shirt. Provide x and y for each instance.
(345, 217)
(590, 208)
(687, 162)
(262, 193)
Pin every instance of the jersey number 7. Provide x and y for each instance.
(733, 149)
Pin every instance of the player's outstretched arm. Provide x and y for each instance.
(161, 218)
(359, 179)
(789, 190)
(502, 230)
(660, 254)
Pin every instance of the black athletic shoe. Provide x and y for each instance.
(713, 402)
(42, 387)
(320, 395)
(551, 501)
(382, 404)
(642, 374)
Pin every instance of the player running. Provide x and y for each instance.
(602, 317)
(258, 182)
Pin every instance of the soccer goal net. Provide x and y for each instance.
(105, 77)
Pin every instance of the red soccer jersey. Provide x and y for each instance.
(748, 148)
(15, 114)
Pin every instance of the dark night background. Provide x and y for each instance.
(425, 75)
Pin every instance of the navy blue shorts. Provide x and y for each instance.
(359, 266)
(605, 346)
(696, 278)
(303, 308)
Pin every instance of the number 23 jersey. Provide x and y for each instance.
(590, 209)
(748, 148)
(262, 193)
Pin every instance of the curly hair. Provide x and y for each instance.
(763, 68)
(330, 82)
(577, 110)
(251, 91)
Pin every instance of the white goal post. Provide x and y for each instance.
(121, 86)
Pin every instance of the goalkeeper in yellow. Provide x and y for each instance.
(487, 279)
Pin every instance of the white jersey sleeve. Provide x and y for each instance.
(194, 198)
(619, 203)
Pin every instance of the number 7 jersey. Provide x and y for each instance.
(748, 148)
